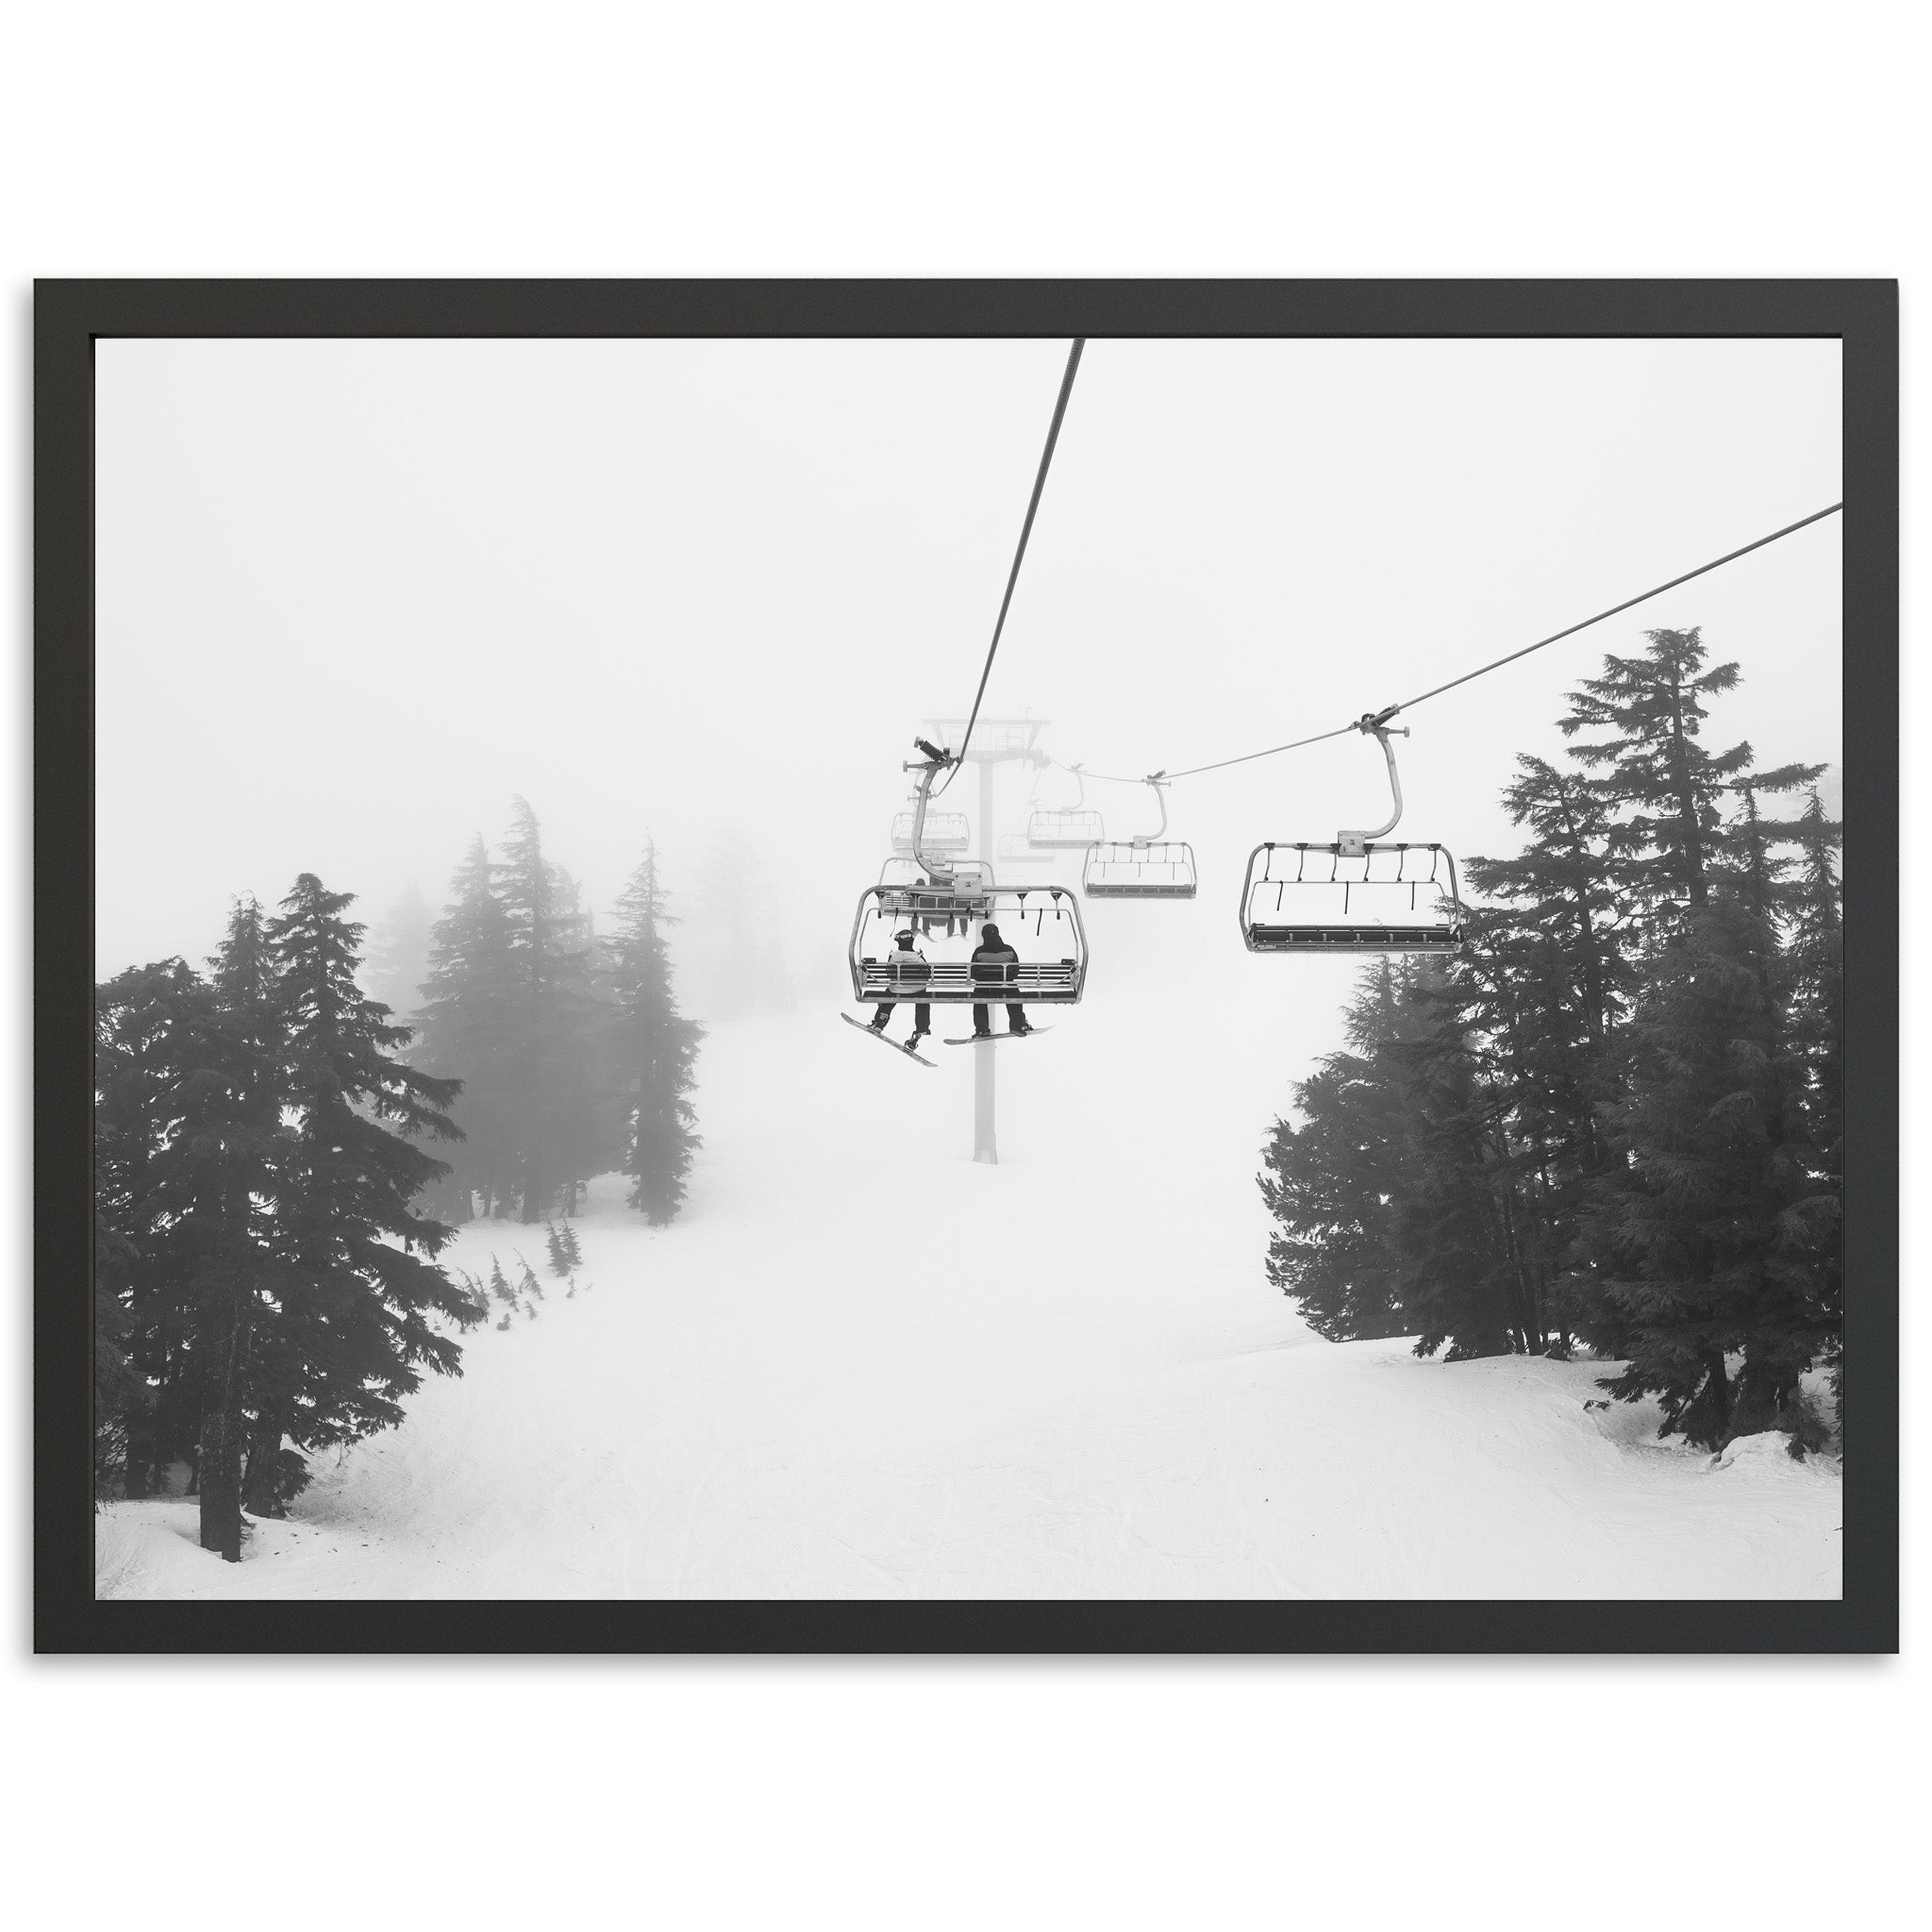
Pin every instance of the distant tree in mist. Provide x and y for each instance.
(735, 947)
(398, 957)
(518, 1007)
(653, 1052)
(468, 1019)
(563, 1123)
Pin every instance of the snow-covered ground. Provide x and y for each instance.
(861, 1366)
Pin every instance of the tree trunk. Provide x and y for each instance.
(219, 1464)
(1705, 1417)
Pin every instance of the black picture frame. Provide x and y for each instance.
(71, 316)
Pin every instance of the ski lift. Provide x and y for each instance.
(945, 831)
(1156, 867)
(1071, 828)
(1356, 895)
(946, 905)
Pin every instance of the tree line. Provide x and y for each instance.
(573, 1056)
(267, 1213)
(1614, 1119)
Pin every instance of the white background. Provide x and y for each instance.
(399, 140)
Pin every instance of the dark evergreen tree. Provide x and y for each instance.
(499, 1284)
(573, 1255)
(232, 1150)
(118, 1391)
(1815, 967)
(1668, 789)
(145, 1019)
(1689, 1246)
(1332, 1182)
(653, 1052)
(1470, 1223)
(355, 1315)
(552, 1244)
(527, 1283)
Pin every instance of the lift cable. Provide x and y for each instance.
(1052, 434)
(1369, 719)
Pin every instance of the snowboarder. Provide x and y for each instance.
(907, 967)
(992, 950)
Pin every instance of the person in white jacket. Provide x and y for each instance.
(908, 968)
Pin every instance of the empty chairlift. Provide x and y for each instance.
(1156, 867)
(1069, 828)
(1359, 895)
(944, 831)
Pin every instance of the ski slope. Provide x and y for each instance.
(860, 1365)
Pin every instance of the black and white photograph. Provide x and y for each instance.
(1011, 969)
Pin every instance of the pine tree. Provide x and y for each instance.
(1668, 789)
(118, 1391)
(234, 1150)
(1332, 1182)
(1688, 1236)
(362, 1284)
(148, 1021)
(469, 1020)
(499, 1285)
(564, 1128)
(527, 1283)
(1472, 1222)
(1815, 966)
(573, 1255)
(553, 1244)
(654, 1051)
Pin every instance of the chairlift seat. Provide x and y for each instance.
(1374, 899)
(1064, 831)
(1140, 869)
(1036, 915)
(945, 831)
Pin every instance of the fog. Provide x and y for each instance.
(355, 596)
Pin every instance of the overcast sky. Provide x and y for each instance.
(353, 596)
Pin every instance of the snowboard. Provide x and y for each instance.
(976, 1038)
(884, 1041)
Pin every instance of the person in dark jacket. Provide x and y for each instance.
(908, 968)
(992, 952)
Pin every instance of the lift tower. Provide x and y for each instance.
(995, 741)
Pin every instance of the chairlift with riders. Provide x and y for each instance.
(946, 902)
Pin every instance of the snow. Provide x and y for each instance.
(860, 1365)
